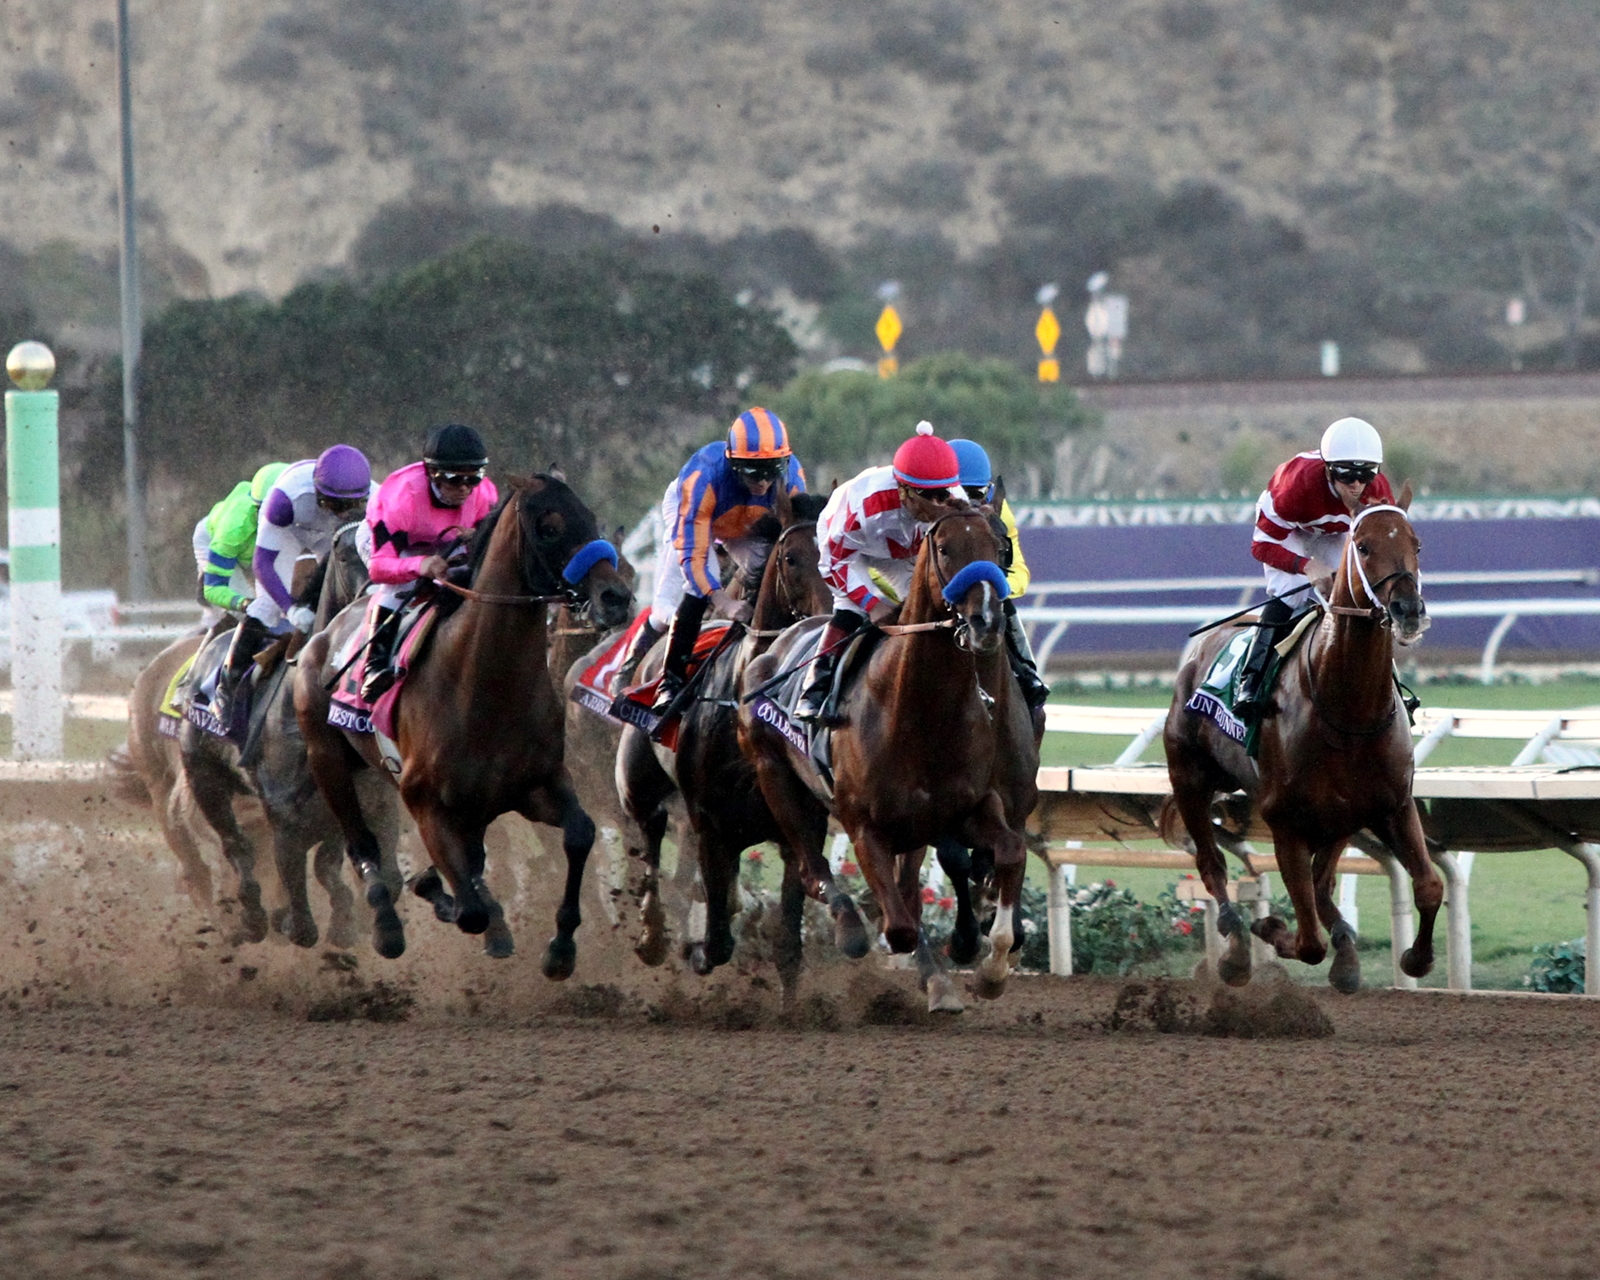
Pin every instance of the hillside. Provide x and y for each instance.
(1417, 158)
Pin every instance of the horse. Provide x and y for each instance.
(937, 743)
(478, 726)
(1334, 757)
(725, 808)
(277, 774)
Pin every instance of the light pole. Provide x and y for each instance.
(132, 326)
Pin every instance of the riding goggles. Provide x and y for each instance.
(341, 506)
(458, 479)
(760, 469)
(1353, 472)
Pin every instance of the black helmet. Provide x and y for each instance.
(454, 445)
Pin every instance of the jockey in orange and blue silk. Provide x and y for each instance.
(720, 494)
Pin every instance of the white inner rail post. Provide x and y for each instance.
(1059, 917)
(1457, 870)
(1402, 924)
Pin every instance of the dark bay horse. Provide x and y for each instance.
(478, 724)
(277, 773)
(938, 743)
(726, 810)
(1334, 757)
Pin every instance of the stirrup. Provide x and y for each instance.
(377, 684)
(670, 687)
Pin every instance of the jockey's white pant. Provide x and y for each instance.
(210, 614)
(390, 594)
(671, 584)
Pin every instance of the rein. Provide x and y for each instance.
(489, 597)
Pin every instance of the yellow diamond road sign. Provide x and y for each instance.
(1048, 331)
(889, 328)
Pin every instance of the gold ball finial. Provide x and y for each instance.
(31, 365)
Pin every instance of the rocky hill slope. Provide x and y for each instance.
(1435, 145)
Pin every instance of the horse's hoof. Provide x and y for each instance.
(560, 958)
(1416, 965)
(850, 935)
(497, 945)
(1234, 966)
(445, 909)
(942, 995)
(652, 949)
(1344, 976)
(253, 925)
(388, 935)
(302, 931)
(699, 960)
(341, 933)
(962, 949)
(1267, 928)
(987, 987)
(902, 939)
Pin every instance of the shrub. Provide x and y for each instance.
(1558, 967)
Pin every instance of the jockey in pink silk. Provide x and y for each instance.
(1302, 519)
(412, 518)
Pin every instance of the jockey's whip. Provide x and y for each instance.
(805, 662)
(392, 622)
(686, 694)
(1249, 608)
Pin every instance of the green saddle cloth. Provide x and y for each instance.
(1218, 693)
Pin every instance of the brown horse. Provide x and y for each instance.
(1334, 756)
(726, 810)
(938, 743)
(478, 724)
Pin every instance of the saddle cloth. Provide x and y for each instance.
(633, 704)
(203, 671)
(593, 688)
(775, 706)
(169, 717)
(347, 709)
(1218, 691)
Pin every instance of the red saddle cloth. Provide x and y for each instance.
(593, 688)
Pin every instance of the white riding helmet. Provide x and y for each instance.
(1352, 440)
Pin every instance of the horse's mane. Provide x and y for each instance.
(807, 506)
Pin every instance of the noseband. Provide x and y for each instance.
(1376, 611)
(961, 627)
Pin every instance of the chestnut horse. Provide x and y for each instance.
(1334, 756)
(938, 743)
(725, 806)
(478, 723)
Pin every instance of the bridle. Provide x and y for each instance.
(1375, 610)
(785, 596)
(567, 593)
(959, 625)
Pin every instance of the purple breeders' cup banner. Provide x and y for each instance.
(769, 712)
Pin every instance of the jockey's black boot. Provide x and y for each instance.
(643, 641)
(1252, 698)
(1034, 690)
(815, 702)
(249, 637)
(685, 630)
(380, 657)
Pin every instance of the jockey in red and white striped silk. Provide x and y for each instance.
(720, 494)
(1302, 518)
(868, 537)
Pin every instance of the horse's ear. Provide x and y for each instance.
(999, 492)
(1404, 500)
(782, 507)
(556, 473)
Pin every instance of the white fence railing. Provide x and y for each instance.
(1057, 619)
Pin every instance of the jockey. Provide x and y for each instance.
(226, 537)
(303, 509)
(977, 478)
(723, 490)
(1302, 517)
(412, 518)
(868, 536)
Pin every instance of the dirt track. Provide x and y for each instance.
(1429, 1136)
(169, 1107)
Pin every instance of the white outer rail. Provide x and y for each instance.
(1061, 617)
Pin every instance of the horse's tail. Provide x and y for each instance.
(127, 783)
(1169, 823)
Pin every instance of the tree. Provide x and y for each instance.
(843, 422)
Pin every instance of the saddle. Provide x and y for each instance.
(775, 706)
(1217, 694)
(348, 708)
(633, 704)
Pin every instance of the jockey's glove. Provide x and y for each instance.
(302, 619)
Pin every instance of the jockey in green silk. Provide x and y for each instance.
(225, 540)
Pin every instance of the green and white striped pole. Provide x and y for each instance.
(33, 488)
